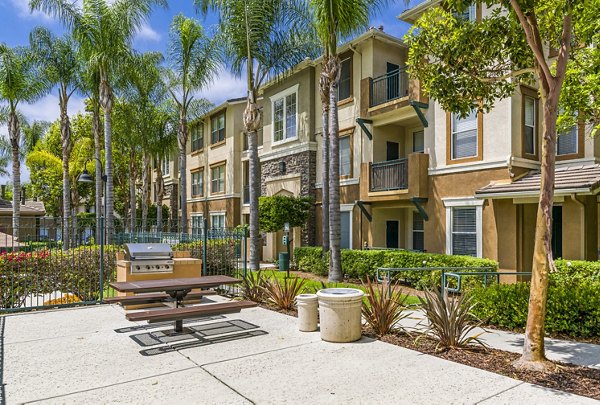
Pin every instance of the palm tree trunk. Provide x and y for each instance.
(145, 189)
(132, 199)
(65, 134)
(533, 356)
(14, 131)
(98, 157)
(182, 143)
(251, 124)
(160, 192)
(335, 267)
(106, 100)
(324, 87)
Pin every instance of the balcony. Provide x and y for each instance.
(389, 87)
(390, 175)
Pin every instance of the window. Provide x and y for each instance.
(345, 156)
(217, 221)
(464, 136)
(418, 142)
(464, 231)
(567, 142)
(197, 137)
(198, 183)
(529, 125)
(217, 175)
(166, 165)
(469, 14)
(217, 126)
(197, 224)
(418, 232)
(345, 84)
(284, 118)
(346, 229)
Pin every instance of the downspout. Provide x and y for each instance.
(583, 233)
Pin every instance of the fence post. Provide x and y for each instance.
(101, 258)
(204, 244)
(244, 250)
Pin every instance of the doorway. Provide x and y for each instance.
(392, 151)
(391, 234)
(393, 81)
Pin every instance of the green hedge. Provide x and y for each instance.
(575, 271)
(362, 263)
(221, 255)
(573, 308)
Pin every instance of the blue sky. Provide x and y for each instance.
(17, 22)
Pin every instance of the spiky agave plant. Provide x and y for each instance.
(383, 308)
(450, 321)
(253, 286)
(283, 294)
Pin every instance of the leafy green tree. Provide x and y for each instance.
(335, 19)
(104, 30)
(470, 65)
(20, 81)
(275, 211)
(194, 59)
(263, 39)
(61, 66)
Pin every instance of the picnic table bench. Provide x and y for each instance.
(178, 290)
(151, 298)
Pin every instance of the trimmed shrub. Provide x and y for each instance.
(573, 308)
(364, 263)
(221, 255)
(576, 270)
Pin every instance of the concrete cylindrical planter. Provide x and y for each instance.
(307, 312)
(340, 314)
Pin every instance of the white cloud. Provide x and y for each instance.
(22, 7)
(47, 108)
(146, 33)
(225, 86)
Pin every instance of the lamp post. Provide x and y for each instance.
(85, 177)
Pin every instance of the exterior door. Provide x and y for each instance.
(556, 232)
(392, 150)
(391, 234)
(393, 82)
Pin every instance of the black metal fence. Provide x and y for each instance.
(45, 264)
(388, 87)
(389, 175)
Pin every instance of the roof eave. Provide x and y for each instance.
(412, 14)
(530, 193)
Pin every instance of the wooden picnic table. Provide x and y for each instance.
(178, 289)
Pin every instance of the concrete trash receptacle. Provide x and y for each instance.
(307, 312)
(340, 314)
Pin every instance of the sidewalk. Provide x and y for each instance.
(258, 356)
(583, 354)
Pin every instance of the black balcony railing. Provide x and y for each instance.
(246, 195)
(391, 86)
(390, 175)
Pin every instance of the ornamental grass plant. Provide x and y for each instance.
(383, 308)
(283, 293)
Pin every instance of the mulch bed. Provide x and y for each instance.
(565, 377)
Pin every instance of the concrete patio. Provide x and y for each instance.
(93, 354)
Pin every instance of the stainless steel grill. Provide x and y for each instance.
(149, 257)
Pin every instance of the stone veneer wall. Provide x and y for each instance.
(305, 164)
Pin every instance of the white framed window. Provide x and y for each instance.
(529, 125)
(197, 224)
(345, 156)
(198, 183)
(418, 232)
(345, 85)
(346, 225)
(285, 115)
(464, 226)
(567, 142)
(464, 135)
(166, 164)
(217, 220)
(469, 14)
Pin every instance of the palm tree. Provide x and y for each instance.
(20, 81)
(165, 140)
(61, 66)
(193, 60)
(104, 30)
(263, 39)
(335, 19)
(145, 90)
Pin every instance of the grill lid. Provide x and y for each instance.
(148, 251)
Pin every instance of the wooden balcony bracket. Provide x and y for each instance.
(417, 202)
(418, 106)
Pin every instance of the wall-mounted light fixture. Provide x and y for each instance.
(282, 167)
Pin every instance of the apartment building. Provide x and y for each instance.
(412, 175)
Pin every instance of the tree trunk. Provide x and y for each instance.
(14, 131)
(251, 124)
(160, 192)
(106, 101)
(132, 199)
(182, 144)
(335, 266)
(534, 357)
(98, 161)
(65, 134)
(324, 87)
(145, 189)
